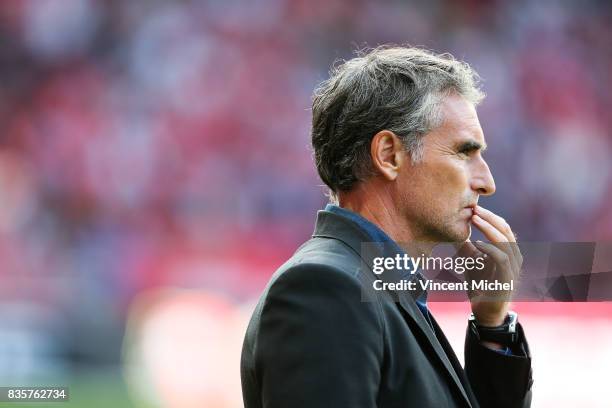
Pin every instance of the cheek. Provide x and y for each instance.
(451, 180)
(434, 189)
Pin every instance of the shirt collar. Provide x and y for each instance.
(375, 234)
(373, 231)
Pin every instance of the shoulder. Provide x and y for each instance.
(321, 254)
(321, 281)
(321, 267)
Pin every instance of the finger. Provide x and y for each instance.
(494, 235)
(511, 262)
(518, 256)
(496, 221)
(503, 271)
(503, 227)
(500, 257)
(489, 231)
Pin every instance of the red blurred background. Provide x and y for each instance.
(155, 171)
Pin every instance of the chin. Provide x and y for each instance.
(461, 236)
(458, 233)
(448, 235)
(451, 231)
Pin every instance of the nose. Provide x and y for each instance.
(482, 180)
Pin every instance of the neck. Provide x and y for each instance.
(379, 210)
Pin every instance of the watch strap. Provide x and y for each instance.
(505, 334)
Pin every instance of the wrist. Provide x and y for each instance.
(490, 314)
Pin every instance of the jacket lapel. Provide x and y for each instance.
(334, 226)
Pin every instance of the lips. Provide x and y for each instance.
(469, 210)
(471, 206)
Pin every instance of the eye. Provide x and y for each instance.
(469, 148)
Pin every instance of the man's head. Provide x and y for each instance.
(401, 123)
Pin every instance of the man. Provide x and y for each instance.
(398, 142)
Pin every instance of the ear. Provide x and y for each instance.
(387, 153)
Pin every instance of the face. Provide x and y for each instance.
(438, 193)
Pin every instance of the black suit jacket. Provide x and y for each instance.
(315, 340)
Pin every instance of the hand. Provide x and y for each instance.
(503, 263)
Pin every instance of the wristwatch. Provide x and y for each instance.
(505, 334)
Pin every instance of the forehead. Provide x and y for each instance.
(459, 120)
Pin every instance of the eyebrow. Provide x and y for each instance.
(470, 146)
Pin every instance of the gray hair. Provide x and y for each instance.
(387, 88)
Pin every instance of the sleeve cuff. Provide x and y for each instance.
(497, 378)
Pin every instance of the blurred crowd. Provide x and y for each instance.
(147, 144)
